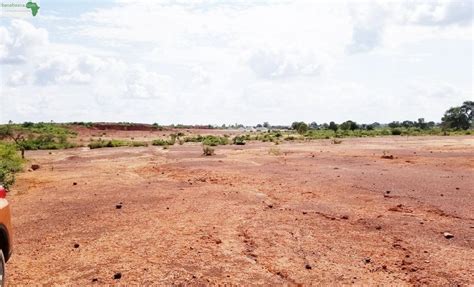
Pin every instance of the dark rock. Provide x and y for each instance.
(76, 245)
(448, 235)
(95, 279)
(367, 260)
(117, 275)
(74, 183)
(307, 266)
(344, 217)
(118, 206)
(35, 166)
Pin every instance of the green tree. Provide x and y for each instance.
(333, 126)
(300, 127)
(349, 125)
(458, 117)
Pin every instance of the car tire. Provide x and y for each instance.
(2, 269)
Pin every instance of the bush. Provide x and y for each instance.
(207, 150)
(239, 140)
(215, 141)
(396, 132)
(10, 163)
(163, 142)
(112, 143)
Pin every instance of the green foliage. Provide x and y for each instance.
(333, 126)
(10, 163)
(459, 117)
(164, 142)
(348, 125)
(300, 127)
(31, 136)
(215, 140)
(209, 140)
(115, 143)
(239, 140)
(396, 132)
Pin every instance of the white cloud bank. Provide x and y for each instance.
(233, 61)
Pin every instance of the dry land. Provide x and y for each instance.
(296, 213)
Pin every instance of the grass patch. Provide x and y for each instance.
(10, 163)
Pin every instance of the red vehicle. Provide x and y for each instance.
(5, 233)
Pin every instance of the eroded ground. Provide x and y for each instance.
(310, 213)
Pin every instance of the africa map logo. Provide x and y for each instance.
(33, 6)
(18, 8)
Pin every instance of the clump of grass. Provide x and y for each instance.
(274, 151)
(207, 150)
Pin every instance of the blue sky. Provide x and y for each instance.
(200, 62)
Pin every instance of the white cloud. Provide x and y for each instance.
(17, 78)
(226, 61)
(20, 41)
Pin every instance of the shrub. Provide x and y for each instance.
(110, 143)
(396, 132)
(163, 142)
(238, 140)
(215, 141)
(10, 163)
(207, 150)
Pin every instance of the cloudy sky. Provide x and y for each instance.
(216, 61)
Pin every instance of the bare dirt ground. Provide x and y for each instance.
(296, 213)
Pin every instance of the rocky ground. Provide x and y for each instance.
(295, 213)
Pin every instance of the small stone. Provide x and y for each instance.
(118, 206)
(74, 183)
(218, 241)
(95, 279)
(448, 235)
(457, 188)
(117, 275)
(307, 266)
(35, 166)
(270, 206)
(367, 260)
(76, 245)
(378, 227)
(344, 217)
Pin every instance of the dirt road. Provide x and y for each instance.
(310, 213)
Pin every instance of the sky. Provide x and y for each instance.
(246, 62)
